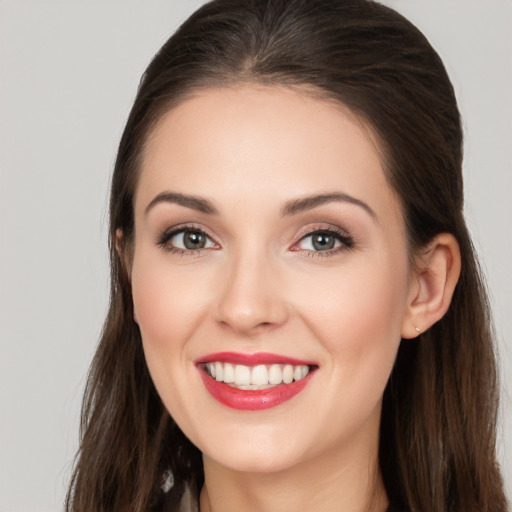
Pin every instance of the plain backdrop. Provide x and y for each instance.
(68, 74)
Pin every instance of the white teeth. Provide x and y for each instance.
(288, 374)
(275, 375)
(255, 377)
(229, 373)
(259, 375)
(242, 375)
(219, 367)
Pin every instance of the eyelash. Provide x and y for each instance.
(346, 241)
(168, 235)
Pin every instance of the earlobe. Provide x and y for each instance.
(119, 242)
(436, 275)
(123, 251)
(123, 256)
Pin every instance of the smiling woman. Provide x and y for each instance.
(297, 320)
(271, 285)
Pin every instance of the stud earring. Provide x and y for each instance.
(418, 330)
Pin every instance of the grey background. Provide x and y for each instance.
(68, 74)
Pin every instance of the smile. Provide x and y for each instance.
(256, 377)
(264, 381)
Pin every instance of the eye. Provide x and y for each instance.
(319, 242)
(324, 240)
(191, 240)
(186, 240)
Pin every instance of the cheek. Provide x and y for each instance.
(169, 303)
(357, 313)
(358, 322)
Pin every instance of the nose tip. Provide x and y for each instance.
(251, 301)
(248, 321)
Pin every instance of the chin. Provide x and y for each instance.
(251, 453)
(253, 461)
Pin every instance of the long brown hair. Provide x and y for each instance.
(437, 443)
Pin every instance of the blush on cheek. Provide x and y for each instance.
(360, 318)
(151, 307)
(167, 305)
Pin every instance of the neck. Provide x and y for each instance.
(349, 481)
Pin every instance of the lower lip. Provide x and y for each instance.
(252, 400)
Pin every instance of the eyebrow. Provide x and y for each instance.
(291, 207)
(193, 202)
(309, 202)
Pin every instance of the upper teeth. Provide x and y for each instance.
(256, 377)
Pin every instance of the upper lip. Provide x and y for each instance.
(251, 359)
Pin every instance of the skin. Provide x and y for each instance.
(260, 286)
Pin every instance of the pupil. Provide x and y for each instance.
(323, 242)
(194, 240)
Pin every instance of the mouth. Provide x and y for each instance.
(254, 381)
(256, 377)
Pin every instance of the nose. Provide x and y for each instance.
(251, 297)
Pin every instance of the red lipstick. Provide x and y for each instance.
(251, 359)
(252, 399)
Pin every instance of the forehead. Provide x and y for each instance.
(230, 141)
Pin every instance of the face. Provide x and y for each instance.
(270, 276)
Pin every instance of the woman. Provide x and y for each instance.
(297, 318)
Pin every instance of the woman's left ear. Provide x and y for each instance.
(435, 277)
